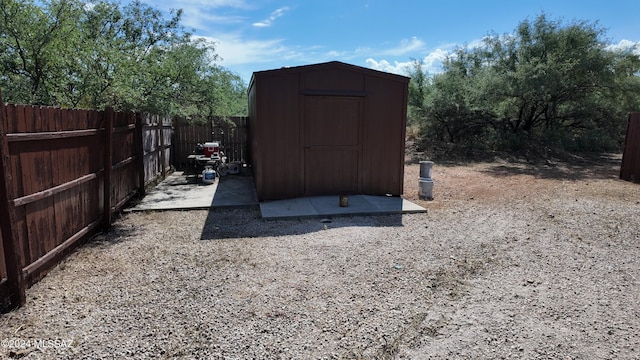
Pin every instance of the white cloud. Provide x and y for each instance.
(432, 63)
(407, 50)
(235, 50)
(476, 43)
(245, 56)
(335, 54)
(274, 15)
(626, 45)
(203, 21)
(242, 54)
(201, 4)
(200, 14)
(406, 46)
(384, 65)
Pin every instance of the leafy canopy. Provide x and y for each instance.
(546, 84)
(73, 53)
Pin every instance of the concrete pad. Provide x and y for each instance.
(234, 191)
(324, 206)
(179, 192)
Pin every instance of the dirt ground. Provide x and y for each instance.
(512, 260)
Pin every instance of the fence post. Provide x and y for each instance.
(13, 256)
(139, 148)
(160, 124)
(109, 115)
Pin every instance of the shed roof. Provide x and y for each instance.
(330, 66)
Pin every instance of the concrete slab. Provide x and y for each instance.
(324, 206)
(179, 192)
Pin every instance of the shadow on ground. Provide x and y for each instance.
(562, 166)
(235, 223)
(120, 231)
(234, 191)
(604, 166)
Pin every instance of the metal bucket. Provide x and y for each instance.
(425, 189)
(425, 169)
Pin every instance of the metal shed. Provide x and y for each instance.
(327, 129)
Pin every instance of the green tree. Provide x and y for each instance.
(34, 47)
(545, 84)
(97, 54)
(418, 89)
(456, 110)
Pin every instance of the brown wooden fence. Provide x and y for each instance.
(630, 169)
(63, 175)
(233, 135)
(157, 134)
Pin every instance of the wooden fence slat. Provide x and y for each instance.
(53, 190)
(157, 146)
(231, 133)
(36, 265)
(28, 160)
(47, 126)
(167, 131)
(12, 252)
(108, 161)
(63, 175)
(139, 154)
(160, 134)
(51, 135)
(60, 168)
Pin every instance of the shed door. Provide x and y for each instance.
(332, 144)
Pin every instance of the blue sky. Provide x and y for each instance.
(380, 34)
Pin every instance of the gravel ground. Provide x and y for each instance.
(511, 261)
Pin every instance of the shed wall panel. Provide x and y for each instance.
(277, 149)
(383, 138)
(331, 172)
(332, 126)
(252, 133)
(332, 80)
(281, 158)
